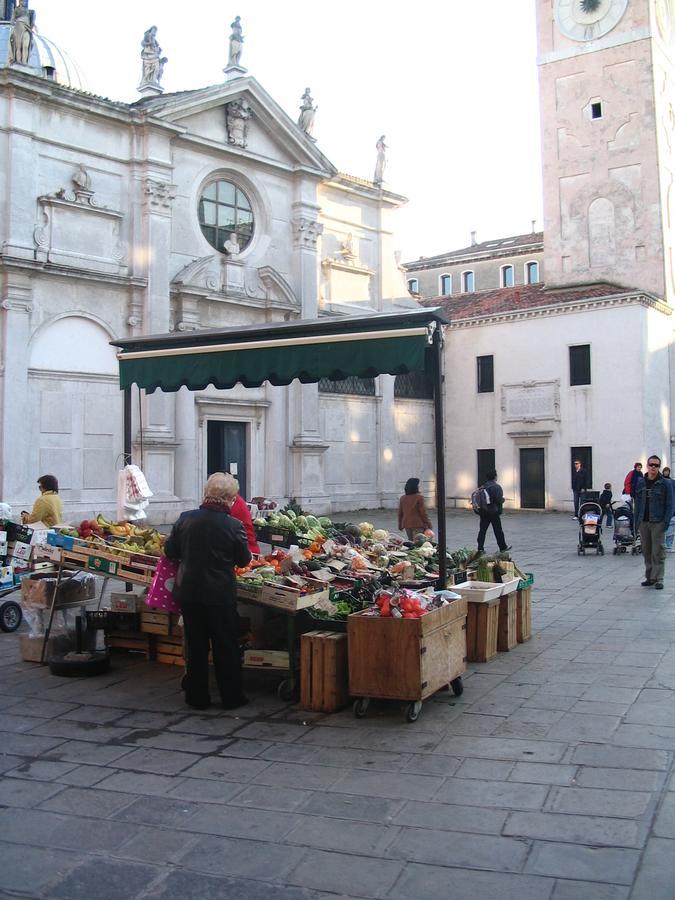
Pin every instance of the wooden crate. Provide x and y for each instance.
(406, 659)
(524, 615)
(324, 680)
(137, 642)
(136, 568)
(506, 629)
(481, 629)
(169, 650)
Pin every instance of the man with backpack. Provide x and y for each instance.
(487, 502)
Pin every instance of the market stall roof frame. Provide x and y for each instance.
(306, 349)
(280, 352)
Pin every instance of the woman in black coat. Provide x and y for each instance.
(208, 543)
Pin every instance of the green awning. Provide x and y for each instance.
(333, 348)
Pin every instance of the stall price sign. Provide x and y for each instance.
(98, 564)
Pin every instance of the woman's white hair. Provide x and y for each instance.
(221, 486)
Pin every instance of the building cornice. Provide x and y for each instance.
(13, 263)
(639, 298)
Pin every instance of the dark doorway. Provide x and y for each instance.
(226, 451)
(585, 457)
(532, 493)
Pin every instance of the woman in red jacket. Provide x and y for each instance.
(239, 510)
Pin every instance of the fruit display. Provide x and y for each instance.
(118, 536)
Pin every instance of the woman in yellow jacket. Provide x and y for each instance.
(47, 508)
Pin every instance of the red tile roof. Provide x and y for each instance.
(524, 296)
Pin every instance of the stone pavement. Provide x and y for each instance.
(551, 777)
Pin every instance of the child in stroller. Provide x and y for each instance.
(624, 533)
(590, 529)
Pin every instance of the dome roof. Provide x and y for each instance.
(46, 59)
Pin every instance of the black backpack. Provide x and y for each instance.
(480, 500)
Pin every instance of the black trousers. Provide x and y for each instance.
(494, 519)
(219, 627)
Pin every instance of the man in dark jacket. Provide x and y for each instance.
(579, 485)
(653, 511)
(208, 543)
(492, 515)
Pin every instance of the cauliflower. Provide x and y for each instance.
(366, 529)
(380, 535)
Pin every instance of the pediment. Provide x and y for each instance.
(221, 277)
(263, 130)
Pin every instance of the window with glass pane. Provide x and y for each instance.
(362, 387)
(532, 272)
(468, 282)
(485, 374)
(485, 464)
(446, 285)
(580, 364)
(224, 210)
(507, 276)
(413, 286)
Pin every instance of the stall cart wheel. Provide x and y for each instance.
(412, 711)
(601, 550)
(580, 551)
(457, 687)
(286, 690)
(361, 707)
(10, 616)
(615, 551)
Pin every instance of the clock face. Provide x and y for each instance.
(586, 20)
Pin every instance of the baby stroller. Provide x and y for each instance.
(624, 534)
(590, 529)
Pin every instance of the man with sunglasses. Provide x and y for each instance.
(653, 510)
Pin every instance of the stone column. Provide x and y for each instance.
(307, 483)
(17, 481)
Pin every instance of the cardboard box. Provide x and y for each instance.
(31, 647)
(19, 550)
(126, 602)
(37, 592)
(47, 551)
(6, 576)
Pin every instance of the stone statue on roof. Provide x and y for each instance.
(152, 59)
(236, 42)
(21, 35)
(381, 160)
(307, 113)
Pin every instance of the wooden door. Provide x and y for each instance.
(532, 485)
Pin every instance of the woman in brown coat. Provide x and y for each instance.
(411, 512)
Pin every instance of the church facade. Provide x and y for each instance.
(203, 209)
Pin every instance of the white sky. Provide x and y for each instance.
(451, 83)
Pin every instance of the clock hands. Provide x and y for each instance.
(589, 6)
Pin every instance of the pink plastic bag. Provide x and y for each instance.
(160, 592)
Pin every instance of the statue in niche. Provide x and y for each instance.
(381, 160)
(347, 249)
(21, 35)
(237, 114)
(236, 42)
(151, 58)
(81, 180)
(307, 113)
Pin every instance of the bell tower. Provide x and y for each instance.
(607, 89)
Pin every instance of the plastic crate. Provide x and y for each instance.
(526, 582)
(112, 621)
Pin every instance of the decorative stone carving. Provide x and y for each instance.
(153, 63)
(237, 115)
(307, 232)
(160, 194)
(307, 113)
(220, 278)
(531, 401)
(381, 160)
(21, 35)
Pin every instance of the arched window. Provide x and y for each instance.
(532, 273)
(446, 285)
(507, 276)
(468, 282)
(413, 286)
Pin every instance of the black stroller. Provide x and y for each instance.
(590, 529)
(624, 528)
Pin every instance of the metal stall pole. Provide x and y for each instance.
(437, 357)
(127, 426)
